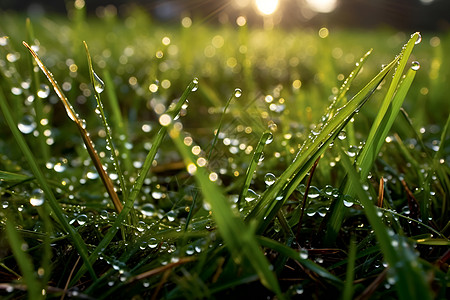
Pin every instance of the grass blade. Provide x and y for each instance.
(378, 132)
(265, 137)
(98, 86)
(311, 149)
(84, 135)
(410, 278)
(348, 286)
(238, 237)
(172, 112)
(308, 264)
(24, 261)
(51, 199)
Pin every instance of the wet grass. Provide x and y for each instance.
(223, 165)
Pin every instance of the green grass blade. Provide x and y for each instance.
(253, 164)
(172, 112)
(237, 93)
(81, 128)
(117, 120)
(349, 277)
(238, 237)
(307, 263)
(410, 278)
(311, 146)
(378, 132)
(98, 87)
(388, 110)
(24, 261)
(51, 199)
(12, 177)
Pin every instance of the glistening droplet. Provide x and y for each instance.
(269, 179)
(43, 91)
(99, 85)
(237, 93)
(195, 82)
(415, 65)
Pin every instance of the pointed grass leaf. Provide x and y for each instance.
(82, 129)
(239, 238)
(98, 86)
(135, 190)
(385, 118)
(51, 199)
(310, 150)
(409, 275)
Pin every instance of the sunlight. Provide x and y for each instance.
(322, 6)
(267, 7)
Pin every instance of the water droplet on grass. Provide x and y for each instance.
(348, 201)
(269, 138)
(43, 91)
(148, 210)
(313, 192)
(99, 85)
(82, 219)
(415, 65)
(342, 135)
(152, 243)
(303, 253)
(37, 197)
(419, 39)
(27, 125)
(251, 195)
(269, 179)
(237, 93)
(195, 86)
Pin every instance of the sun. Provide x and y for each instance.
(322, 6)
(267, 7)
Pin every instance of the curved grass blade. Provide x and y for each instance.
(307, 263)
(237, 93)
(253, 164)
(12, 177)
(238, 237)
(410, 278)
(117, 120)
(84, 135)
(98, 87)
(311, 148)
(378, 132)
(348, 286)
(56, 208)
(24, 261)
(172, 112)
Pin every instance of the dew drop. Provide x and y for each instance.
(251, 195)
(419, 39)
(37, 197)
(195, 86)
(190, 250)
(342, 135)
(269, 138)
(237, 93)
(148, 209)
(82, 219)
(171, 215)
(415, 65)
(99, 85)
(269, 179)
(27, 125)
(43, 91)
(152, 243)
(303, 253)
(348, 201)
(313, 192)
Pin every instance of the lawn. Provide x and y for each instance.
(142, 159)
